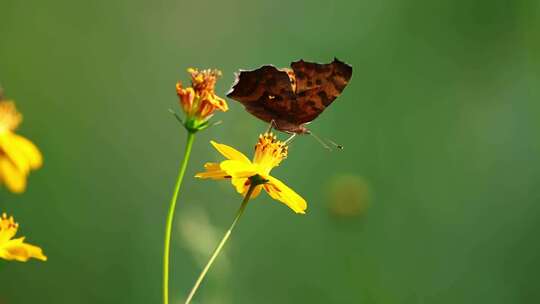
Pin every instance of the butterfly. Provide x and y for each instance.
(291, 98)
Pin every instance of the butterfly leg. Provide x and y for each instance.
(289, 140)
(271, 126)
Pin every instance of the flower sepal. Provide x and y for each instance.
(257, 180)
(194, 125)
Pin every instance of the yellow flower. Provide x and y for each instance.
(18, 155)
(269, 152)
(200, 101)
(15, 249)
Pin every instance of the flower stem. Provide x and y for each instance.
(221, 244)
(170, 216)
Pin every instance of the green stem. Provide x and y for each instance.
(170, 216)
(221, 244)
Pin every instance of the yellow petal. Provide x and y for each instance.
(18, 250)
(230, 152)
(14, 179)
(213, 171)
(10, 147)
(212, 166)
(279, 191)
(29, 150)
(240, 184)
(238, 168)
(256, 191)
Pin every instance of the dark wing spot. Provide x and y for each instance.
(324, 98)
(309, 83)
(312, 104)
(300, 75)
(318, 82)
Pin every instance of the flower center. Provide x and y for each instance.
(269, 152)
(8, 228)
(205, 80)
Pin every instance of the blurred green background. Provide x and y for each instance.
(435, 198)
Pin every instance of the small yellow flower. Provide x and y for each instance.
(15, 249)
(18, 155)
(200, 101)
(269, 152)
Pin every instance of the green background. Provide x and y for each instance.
(437, 187)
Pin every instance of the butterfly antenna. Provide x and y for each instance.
(335, 144)
(320, 141)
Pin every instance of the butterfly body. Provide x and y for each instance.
(291, 98)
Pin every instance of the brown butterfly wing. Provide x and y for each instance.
(317, 86)
(265, 92)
